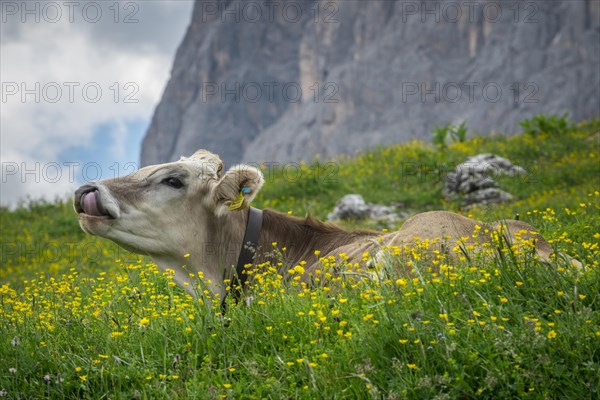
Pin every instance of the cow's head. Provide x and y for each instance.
(165, 210)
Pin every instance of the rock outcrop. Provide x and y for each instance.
(289, 80)
(472, 181)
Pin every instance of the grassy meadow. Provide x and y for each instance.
(81, 318)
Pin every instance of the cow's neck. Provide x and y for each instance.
(210, 252)
(301, 237)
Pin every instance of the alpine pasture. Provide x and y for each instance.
(82, 318)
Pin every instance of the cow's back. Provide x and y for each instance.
(442, 225)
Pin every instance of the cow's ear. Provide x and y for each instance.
(237, 188)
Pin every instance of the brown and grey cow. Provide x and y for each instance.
(189, 213)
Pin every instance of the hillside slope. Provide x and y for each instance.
(82, 319)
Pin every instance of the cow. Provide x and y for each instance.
(191, 217)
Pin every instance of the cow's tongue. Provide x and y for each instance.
(89, 203)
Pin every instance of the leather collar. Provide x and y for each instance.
(247, 253)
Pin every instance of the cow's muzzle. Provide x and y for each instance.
(87, 200)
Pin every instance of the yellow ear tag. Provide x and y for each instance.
(237, 203)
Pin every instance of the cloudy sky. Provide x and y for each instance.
(80, 81)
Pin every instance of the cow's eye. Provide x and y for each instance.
(173, 182)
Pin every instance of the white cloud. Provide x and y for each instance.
(77, 81)
(26, 178)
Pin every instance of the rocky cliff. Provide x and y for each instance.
(289, 80)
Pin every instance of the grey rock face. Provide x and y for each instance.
(473, 183)
(292, 80)
(354, 207)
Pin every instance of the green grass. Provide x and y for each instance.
(82, 318)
